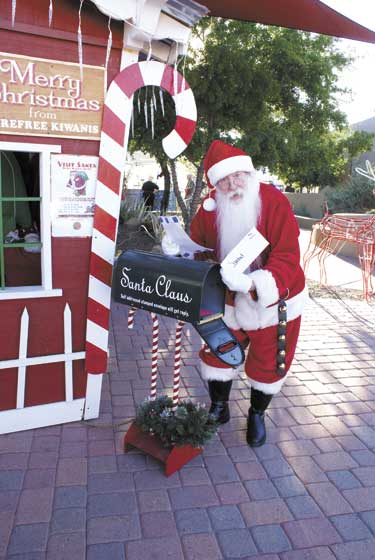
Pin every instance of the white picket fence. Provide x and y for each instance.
(69, 410)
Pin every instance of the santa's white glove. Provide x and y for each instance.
(236, 281)
(169, 247)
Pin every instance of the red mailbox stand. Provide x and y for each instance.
(173, 457)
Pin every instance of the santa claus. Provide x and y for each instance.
(264, 304)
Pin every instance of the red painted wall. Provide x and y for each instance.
(70, 256)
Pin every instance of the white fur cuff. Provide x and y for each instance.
(265, 286)
(210, 373)
(268, 388)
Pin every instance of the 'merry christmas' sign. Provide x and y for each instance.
(48, 98)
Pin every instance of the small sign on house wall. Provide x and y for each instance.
(48, 98)
(73, 187)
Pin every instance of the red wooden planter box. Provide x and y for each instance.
(173, 457)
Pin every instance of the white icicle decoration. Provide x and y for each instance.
(161, 100)
(149, 54)
(152, 118)
(132, 121)
(183, 76)
(183, 82)
(175, 80)
(146, 113)
(50, 13)
(139, 103)
(80, 54)
(109, 44)
(14, 7)
(154, 98)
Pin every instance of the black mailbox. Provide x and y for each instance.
(191, 291)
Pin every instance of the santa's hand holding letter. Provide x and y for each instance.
(256, 299)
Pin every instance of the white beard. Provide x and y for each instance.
(235, 219)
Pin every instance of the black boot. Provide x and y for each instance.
(256, 429)
(219, 394)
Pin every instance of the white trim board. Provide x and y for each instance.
(93, 394)
(28, 292)
(40, 416)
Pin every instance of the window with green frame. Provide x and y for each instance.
(20, 246)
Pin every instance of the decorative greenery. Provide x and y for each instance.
(189, 424)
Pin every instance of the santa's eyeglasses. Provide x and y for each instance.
(238, 179)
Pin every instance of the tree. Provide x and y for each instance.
(324, 159)
(272, 92)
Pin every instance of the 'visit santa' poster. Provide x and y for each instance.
(73, 186)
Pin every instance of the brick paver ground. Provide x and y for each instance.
(69, 492)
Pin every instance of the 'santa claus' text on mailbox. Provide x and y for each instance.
(162, 287)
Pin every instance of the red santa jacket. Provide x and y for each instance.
(276, 274)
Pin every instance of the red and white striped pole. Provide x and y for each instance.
(154, 355)
(112, 155)
(131, 314)
(177, 364)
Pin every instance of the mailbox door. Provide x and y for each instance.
(221, 342)
(213, 294)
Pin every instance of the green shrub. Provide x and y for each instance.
(133, 211)
(356, 196)
(153, 227)
(303, 211)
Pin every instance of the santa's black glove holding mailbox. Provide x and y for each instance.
(255, 309)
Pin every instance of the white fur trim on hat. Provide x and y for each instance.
(211, 373)
(229, 165)
(209, 204)
(268, 388)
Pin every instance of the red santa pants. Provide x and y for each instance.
(260, 363)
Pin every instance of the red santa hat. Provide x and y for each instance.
(222, 160)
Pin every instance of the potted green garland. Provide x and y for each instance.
(171, 436)
(189, 424)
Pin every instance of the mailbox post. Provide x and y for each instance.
(188, 291)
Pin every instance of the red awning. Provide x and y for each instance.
(307, 15)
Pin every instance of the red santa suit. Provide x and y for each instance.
(276, 274)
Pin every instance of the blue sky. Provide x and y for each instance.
(360, 76)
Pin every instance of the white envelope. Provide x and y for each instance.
(245, 252)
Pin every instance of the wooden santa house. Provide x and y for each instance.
(63, 137)
(68, 72)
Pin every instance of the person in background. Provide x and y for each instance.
(189, 190)
(264, 304)
(289, 188)
(149, 189)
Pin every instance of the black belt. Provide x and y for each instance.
(281, 338)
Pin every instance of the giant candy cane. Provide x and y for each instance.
(113, 148)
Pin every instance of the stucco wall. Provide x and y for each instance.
(307, 204)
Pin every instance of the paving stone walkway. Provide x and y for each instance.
(70, 493)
